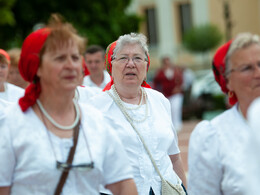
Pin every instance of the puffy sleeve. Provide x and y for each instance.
(116, 165)
(204, 162)
(173, 149)
(7, 156)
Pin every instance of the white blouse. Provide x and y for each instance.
(88, 82)
(158, 133)
(29, 165)
(12, 93)
(252, 178)
(216, 151)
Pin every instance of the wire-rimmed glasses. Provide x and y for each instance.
(125, 60)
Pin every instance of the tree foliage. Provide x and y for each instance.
(100, 21)
(202, 38)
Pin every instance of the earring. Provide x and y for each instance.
(230, 94)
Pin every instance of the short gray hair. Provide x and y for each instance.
(132, 38)
(242, 40)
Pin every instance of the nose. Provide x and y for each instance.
(257, 71)
(130, 63)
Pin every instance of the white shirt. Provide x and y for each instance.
(88, 82)
(252, 178)
(3, 105)
(215, 156)
(84, 93)
(158, 133)
(12, 93)
(29, 165)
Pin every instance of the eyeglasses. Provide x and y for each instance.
(80, 167)
(245, 69)
(125, 60)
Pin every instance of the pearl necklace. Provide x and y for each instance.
(124, 109)
(54, 122)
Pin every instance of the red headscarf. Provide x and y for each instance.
(219, 68)
(108, 64)
(5, 54)
(29, 64)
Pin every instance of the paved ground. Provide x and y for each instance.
(184, 136)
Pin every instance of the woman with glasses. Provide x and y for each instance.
(216, 148)
(8, 91)
(49, 144)
(138, 108)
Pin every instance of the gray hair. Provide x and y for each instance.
(241, 41)
(132, 38)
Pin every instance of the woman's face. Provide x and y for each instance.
(3, 72)
(244, 77)
(61, 69)
(129, 66)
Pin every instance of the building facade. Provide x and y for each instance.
(166, 21)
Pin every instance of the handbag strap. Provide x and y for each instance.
(140, 136)
(65, 174)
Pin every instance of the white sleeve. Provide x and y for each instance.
(173, 149)
(116, 166)
(7, 156)
(203, 160)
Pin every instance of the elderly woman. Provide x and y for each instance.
(138, 108)
(49, 143)
(8, 92)
(216, 164)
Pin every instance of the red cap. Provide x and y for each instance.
(6, 55)
(29, 64)
(219, 68)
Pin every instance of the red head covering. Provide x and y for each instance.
(6, 55)
(108, 64)
(85, 68)
(219, 68)
(29, 64)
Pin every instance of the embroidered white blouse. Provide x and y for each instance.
(29, 165)
(157, 131)
(216, 151)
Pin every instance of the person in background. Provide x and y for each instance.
(95, 58)
(14, 76)
(8, 92)
(37, 136)
(216, 148)
(127, 61)
(169, 81)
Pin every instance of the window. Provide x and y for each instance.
(185, 17)
(151, 26)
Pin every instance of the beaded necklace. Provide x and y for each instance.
(124, 108)
(54, 122)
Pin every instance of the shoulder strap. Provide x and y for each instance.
(65, 174)
(140, 136)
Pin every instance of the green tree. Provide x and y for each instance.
(100, 21)
(6, 14)
(202, 39)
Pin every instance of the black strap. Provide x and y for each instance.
(65, 174)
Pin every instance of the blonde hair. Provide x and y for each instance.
(14, 54)
(62, 34)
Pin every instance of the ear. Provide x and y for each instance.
(229, 84)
